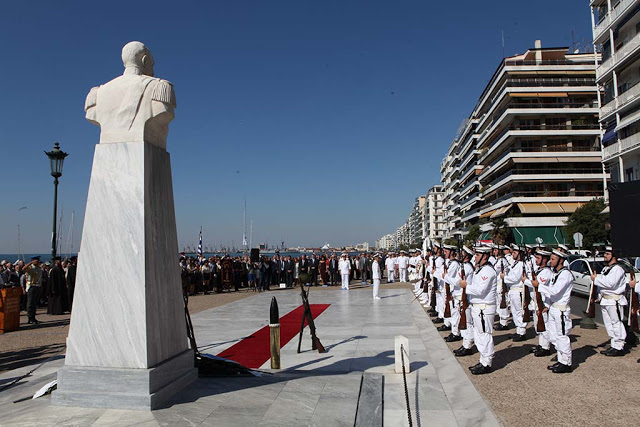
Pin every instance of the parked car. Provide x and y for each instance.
(583, 268)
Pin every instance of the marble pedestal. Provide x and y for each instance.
(127, 345)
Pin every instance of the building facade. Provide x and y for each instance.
(616, 34)
(432, 215)
(530, 151)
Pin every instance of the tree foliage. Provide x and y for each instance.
(588, 220)
(472, 236)
(500, 231)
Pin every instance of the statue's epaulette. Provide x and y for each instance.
(163, 92)
(92, 98)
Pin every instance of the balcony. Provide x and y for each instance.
(547, 194)
(540, 173)
(625, 51)
(630, 143)
(610, 18)
(551, 82)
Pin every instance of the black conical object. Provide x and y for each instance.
(274, 314)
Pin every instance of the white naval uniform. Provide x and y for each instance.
(390, 263)
(513, 282)
(482, 297)
(559, 291)
(403, 263)
(425, 298)
(452, 278)
(345, 267)
(437, 273)
(500, 265)
(544, 276)
(375, 270)
(612, 285)
(467, 334)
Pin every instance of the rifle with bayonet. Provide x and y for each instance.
(590, 312)
(464, 304)
(308, 316)
(539, 304)
(526, 297)
(503, 292)
(448, 297)
(634, 306)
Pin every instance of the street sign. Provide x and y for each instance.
(577, 239)
(539, 240)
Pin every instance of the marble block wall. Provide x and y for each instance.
(128, 310)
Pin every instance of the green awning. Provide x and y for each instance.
(528, 235)
(486, 235)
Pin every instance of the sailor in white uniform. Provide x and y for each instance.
(513, 281)
(481, 291)
(375, 270)
(467, 334)
(390, 264)
(345, 269)
(559, 291)
(403, 264)
(612, 284)
(501, 266)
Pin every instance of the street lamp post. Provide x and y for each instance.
(56, 157)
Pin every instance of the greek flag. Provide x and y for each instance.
(200, 244)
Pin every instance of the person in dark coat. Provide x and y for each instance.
(57, 288)
(71, 279)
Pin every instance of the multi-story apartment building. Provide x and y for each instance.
(416, 220)
(529, 152)
(616, 34)
(432, 215)
(386, 242)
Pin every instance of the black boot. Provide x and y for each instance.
(561, 369)
(519, 338)
(453, 338)
(543, 352)
(481, 370)
(444, 328)
(438, 320)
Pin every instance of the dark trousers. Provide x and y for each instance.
(70, 290)
(314, 276)
(289, 279)
(333, 277)
(33, 295)
(276, 277)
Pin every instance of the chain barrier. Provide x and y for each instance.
(406, 390)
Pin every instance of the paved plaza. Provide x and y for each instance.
(311, 388)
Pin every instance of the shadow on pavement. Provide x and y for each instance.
(30, 356)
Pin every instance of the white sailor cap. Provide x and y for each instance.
(376, 255)
(403, 252)
(542, 252)
(493, 246)
(467, 250)
(482, 249)
(542, 245)
(418, 250)
(516, 247)
(411, 250)
(437, 245)
(563, 247)
(528, 246)
(608, 249)
(503, 247)
(559, 253)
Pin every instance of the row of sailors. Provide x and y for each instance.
(479, 275)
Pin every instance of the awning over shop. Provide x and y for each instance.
(528, 235)
(503, 210)
(534, 208)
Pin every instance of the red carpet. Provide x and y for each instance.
(253, 350)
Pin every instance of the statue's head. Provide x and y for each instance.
(135, 55)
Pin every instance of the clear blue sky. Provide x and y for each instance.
(330, 116)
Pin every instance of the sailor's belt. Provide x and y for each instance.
(482, 306)
(516, 288)
(612, 297)
(561, 307)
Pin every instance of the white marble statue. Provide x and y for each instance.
(127, 346)
(135, 106)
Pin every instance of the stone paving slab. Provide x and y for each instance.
(312, 388)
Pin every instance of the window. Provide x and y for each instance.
(628, 174)
(579, 266)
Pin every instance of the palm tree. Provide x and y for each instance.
(500, 231)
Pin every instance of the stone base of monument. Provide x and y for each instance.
(137, 389)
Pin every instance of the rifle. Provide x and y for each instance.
(593, 295)
(462, 325)
(526, 297)
(633, 306)
(315, 342)
(540, 305)
(448, 296)
(503, 296)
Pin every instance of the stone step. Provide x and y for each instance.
(370, 401)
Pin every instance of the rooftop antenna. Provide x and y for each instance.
(502, 44)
